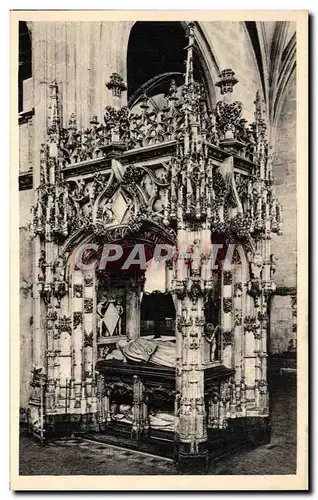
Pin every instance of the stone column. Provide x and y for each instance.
(101, 399)
(192, 426)
(52, 358)
(239, 293)
(39, 57)
(250, 329)
(256, 325)
(64, 336)
(77, 308)
(261, 346)
(294, 326)
(88, 345)
(226, 317)
(138, 409)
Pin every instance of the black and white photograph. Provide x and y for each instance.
(160, 292)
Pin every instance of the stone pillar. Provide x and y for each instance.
(250, 329)
(226, 317)
(261, 345)
(101, 399)
(133, 308)
(39, 54)
(138, 407)
(89, 306)
(192, 425)
(239, 297)
(293, 343)
(77, 293)
(52, 357)
(65, 361)
(255, 331)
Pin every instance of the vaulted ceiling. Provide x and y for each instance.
(274, 45)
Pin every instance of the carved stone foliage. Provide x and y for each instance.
(116, 84)
(227, 304)
(242, 186)
(77, 319)
(38, 378)
(238, 289)
(251, 324)
(88, 339)
(67, 206)
(149, 125)
(228, 115)
(95, 203)
(88, 280)
(220, 188)
(188, 190)
(227, 278)
(64, 325)
(152, 126)
(82, 145)
(78, 291)
(88, 306)
(185, 192)
(238, 317)
(227, 338)
(51, 316)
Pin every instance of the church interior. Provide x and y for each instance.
(179, 134)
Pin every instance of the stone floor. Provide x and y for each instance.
(91, 458)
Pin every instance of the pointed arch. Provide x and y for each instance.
(156, 52)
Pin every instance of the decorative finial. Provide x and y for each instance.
(189, 49)
(53, 115)
(144, 100)
(116, 84)
(172, 92)
(53, 121)
(72, 122)
(94, 120)
(227, 81)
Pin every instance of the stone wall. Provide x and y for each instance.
(80, 57)
(284, 247)
(231, 47)
(26, 346)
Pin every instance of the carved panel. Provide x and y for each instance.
(78, 291)
(227, 278)
(77, 319)
(227, 304)
(227, 338)
(88, 306)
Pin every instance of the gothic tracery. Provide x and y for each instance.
(181, 173)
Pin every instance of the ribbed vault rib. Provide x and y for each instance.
(283, 63)
(253, 32)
